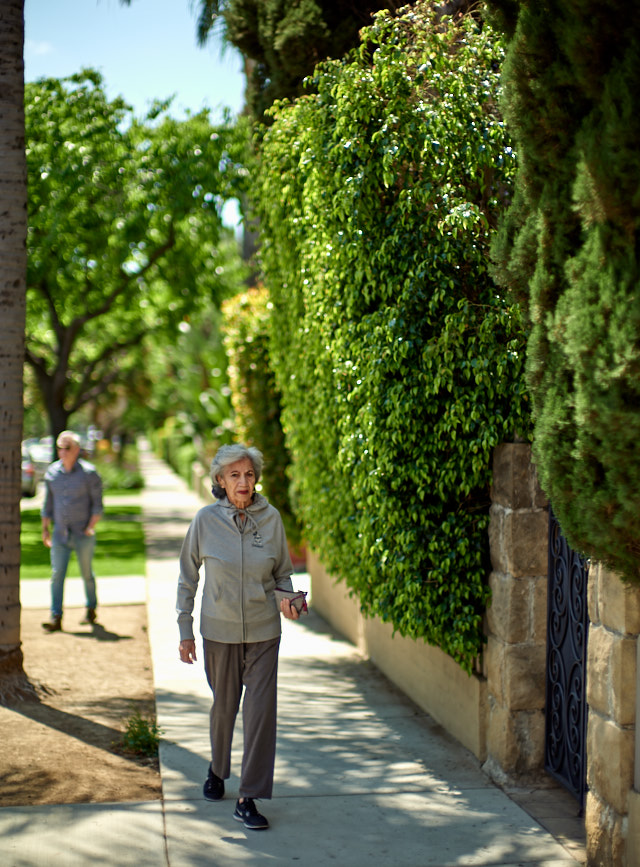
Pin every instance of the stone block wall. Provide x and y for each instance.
(516, 619)
(612, 805)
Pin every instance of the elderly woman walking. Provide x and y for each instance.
(241, 541)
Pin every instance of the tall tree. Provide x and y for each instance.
(283, 41)
(124, 223)
(13, 231)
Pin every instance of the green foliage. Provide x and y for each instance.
(285, 41)
(256, 400)
(141, 736)
(190, 376)
(120, 546)
(568, 247)
(189, 394)
(124, 234)
(176, 446)
(119, 473)
(399, 363)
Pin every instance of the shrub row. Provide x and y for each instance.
(256, 400)
(399, 362)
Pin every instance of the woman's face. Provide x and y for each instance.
(239, 482)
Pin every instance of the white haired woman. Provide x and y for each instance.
(241, 541)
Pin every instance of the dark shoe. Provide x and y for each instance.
(247, 813)
(213, 789)
(54, 624)
(89, 617)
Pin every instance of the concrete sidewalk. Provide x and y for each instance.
(362, 775)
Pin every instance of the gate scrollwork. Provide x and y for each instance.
(567, 629)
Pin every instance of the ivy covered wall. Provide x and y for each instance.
(399, 362)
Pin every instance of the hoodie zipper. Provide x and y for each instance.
(241, 532)
(244, 624)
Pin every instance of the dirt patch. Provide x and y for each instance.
(63, 749)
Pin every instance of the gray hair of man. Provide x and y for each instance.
(66, 436)
(227, 455)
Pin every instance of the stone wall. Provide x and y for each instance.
(613, 811)
(516, 619)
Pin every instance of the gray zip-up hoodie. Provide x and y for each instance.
(241, 571)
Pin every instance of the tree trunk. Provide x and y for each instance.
(13, 277)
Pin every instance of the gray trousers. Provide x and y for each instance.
(229, 668)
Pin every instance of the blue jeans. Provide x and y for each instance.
(60, 556)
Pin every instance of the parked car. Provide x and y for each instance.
(41, 455)
(29, 474)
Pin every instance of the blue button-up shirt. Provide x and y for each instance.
(71, 497)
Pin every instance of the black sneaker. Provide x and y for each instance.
(247, 813)
(213, 788)
(54, 624)
(89, 617)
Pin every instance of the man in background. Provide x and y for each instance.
(73, 503)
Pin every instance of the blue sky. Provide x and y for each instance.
(144, 51)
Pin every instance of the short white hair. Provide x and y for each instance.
(227, 455)
(68, 435)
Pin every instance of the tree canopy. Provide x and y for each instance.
(285, 40)
(124, 232)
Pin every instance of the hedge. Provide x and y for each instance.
(399, 362)
(256, 401)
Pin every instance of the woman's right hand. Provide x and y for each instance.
(289, 610)
(187, 650)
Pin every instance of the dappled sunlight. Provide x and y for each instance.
(344, 724)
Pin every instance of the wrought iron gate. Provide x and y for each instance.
(567, 630)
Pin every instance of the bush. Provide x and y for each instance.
(119, 473)
(177, 448)
(398, 360)
(256, 401)
(141, 736)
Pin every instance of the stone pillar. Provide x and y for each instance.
(614, 612)
(515, 657)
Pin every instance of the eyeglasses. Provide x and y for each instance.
(64, 448)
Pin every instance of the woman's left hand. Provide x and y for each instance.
(289, 610)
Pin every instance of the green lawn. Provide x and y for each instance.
(119, 549)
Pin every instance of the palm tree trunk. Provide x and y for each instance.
(13, 265)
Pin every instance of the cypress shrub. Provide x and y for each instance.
(568, 248)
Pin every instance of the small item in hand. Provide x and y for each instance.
(297, 598)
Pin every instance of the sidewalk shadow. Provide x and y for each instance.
(93, 733)
(99, 633)
(164, 536)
